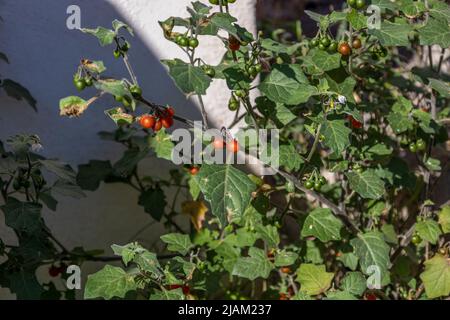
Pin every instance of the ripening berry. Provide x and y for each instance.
(344, 49)
(233, 146)
(147, 121)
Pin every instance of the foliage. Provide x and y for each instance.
(349, 107)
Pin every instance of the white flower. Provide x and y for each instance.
(342, 100)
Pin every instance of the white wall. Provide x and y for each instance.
(44, 55)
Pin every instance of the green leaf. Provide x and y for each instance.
(236, 79)
(337, 135)
(428, 230)
(108, 283)
(162, 144)
(411, 8)
(356, 19)
(439, 10)
(18, 92)
(117, 25)
(400, 123)
(393, 33)
(288, 85)
(226, 22)
(188, 78)
(313, 252)
(227, 189)
(278, 47)
(436, 277)
(119, 116)
(340, 295)
(444, 219)
(437, 32)
(90, 175)
(114, 87)
(372, 250)
(349, 259)
(385, 4)
(177, 242)
(127, 252)
(229, 255)
(200, 7)
(94, 66)
(194, 188)
(314, 279)
(389, 233)
(105, 36)
(318, 61)
(269, 234)
(164, 294)
(154, 202)
(254, 266)
(277, 112)
(367, 184)
(22, 216)
(354, 283)
(289, 157)
(321, 223)
(443, 88)
(25, 285)
(285, 258)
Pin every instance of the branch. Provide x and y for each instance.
(336, 210)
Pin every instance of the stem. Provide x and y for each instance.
(441, 59)
(430, 57)
(203, 111)
(336, 210)
(130, 69)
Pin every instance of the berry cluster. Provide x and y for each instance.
(418, 145)
(232, 146)
(315, 182)
(184, 41)
(121, 50)
(160, 119)
(82, 82)
(356, 4)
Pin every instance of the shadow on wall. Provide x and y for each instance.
(44, 55)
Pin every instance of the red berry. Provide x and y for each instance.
(167, 122)
(233, 146)
(147, 121)
(234, 47)
(355, 123)
(218, 143)
(283, 296)
(170, 111)
(234, 44)
(371, 296)
(194, 170)
(54, 271)
(344, 49)
(286, 270)
(186, 290)
(158, 125)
